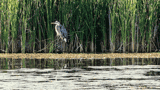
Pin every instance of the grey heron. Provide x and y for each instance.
(61, 31)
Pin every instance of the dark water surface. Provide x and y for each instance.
(111, 74)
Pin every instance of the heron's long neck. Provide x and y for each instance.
(56, 27)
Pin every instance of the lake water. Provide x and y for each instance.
(108, 74)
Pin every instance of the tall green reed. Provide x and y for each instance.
(81, 19)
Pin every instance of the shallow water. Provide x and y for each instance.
(88, 74)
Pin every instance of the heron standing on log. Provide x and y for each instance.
(61, 31)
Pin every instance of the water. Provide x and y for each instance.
(81, 75)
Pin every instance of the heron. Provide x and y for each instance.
(60, 30)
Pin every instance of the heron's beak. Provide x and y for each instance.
(52, 22)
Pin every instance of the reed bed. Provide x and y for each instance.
(93, 25)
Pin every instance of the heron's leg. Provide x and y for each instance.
(57, 43)
(64, 46)
(57, 40)
(60, 43)
(61, 47)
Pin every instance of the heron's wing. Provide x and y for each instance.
(64, 31)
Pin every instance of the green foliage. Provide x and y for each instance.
(29, 21)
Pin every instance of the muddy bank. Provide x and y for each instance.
(78, 56)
